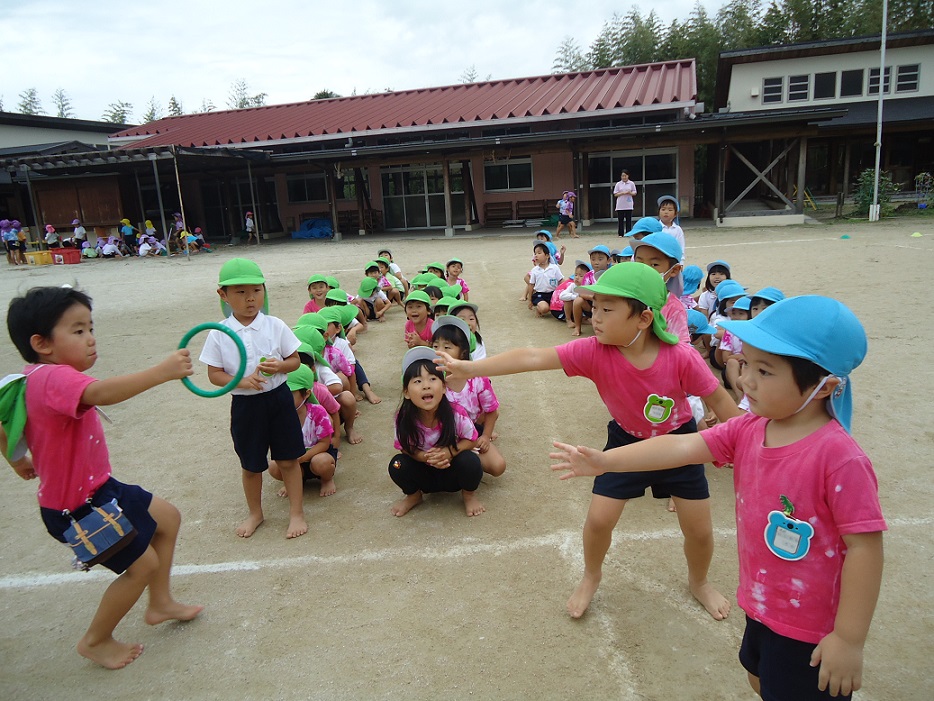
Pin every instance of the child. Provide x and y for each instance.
(393, 267)
(418, 323)
(566, 295)
(389, 283)
(249, 225)
(149, 247)
(566, 215)
(692, 276)
(668, 210)
(643, 227)
(52, 329)
(317, 292)
(643, 374)
(557, 255)
(543, 279)
(468, 312)
(441, 307)
(474, 395)
(23, 237)
(9, 241)
(582, 306)
(51, 238)
(79, 234)
(663, 253)
(731, 349)
(717, 272)
(808, 520)
(334, 334)
(352, 318)
(262, 416)
(454, 268)
(111, 249)
(370, 299)
(436, 269)
(435, 439)
(128, 234)
(765, 297)
(727, 293)
(320, 458)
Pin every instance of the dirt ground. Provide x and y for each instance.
(435, 604)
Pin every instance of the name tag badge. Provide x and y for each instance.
(785, 536)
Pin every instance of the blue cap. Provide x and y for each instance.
(645, 225)
(668, 198)
(819, 329)
(600, 249)
(718, 262)
(627, 252)
(666, 243)
(545, 232)
(692, 275)
(578, 263)
(728, 289)
(771, 294)
(698, 323)
(743, 304)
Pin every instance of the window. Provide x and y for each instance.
(825, 85)
(307, 188)
(874, 81)
(851, 83)
(772, 89)
(799, 87)
(907, 78)
(512, 174)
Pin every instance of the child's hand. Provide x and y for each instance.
(579, 462)
(254, 381)
(411, 339)
(177, 365)
(23, 467)
(841, 665)
(531, 306)
(483, 444)
(455, 369)
(438, 458)
(271, 366)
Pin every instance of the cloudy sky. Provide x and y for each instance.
(101, 51)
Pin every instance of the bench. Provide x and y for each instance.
(532, 209)
(497, 212)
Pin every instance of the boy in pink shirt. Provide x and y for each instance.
(643, 374)
(808, 520)
(662, 252)
(52, 329)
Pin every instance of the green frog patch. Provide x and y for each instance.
(658, 409)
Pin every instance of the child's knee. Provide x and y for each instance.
(167, 517)
(145, 565)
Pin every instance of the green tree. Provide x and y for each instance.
(62, 104)
(604, 51)
(738, 23)
(239, 96)
(569, 58)
(175, 107)
(29, 102)
(324, 94)
(153, 111)
(118, 112)
(206, 105)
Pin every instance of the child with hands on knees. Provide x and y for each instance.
(454, 270)
(543, 279)
(262, 416)
(320, 458)
(390, 284)
(474, 395)
(435, 439)
(53, 330)
(418, 324)
(643, 373)
(808, 520)
(393, 267)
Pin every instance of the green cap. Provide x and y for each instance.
(302, 378)
(454, 260)
(370, 265)
(240, 271)
(436, 265)
(317, 278)
(641, 282)
(348, 313)
(419, 296)
(368, 286)
(313, 319)
(461, 304)
(446, 302)
(310, 336)
(338, 295)
(384, 261)
(424, 279)
(332, 282)
(332, 315)
(454, 291)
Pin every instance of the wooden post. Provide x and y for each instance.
(361, 210)
(802, 168)
(448, 214)
(249, 175)
(181, 203)
(155, 174)
(846, 167)
(470, 201)
(332, 200)
(584, 195)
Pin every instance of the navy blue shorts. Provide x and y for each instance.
(688, 482)
(135, 503)
(541, 297)
(564, 219)
(265, 423)
(783, 665)
(307, 474)
(558, 314)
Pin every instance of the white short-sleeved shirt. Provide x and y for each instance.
(678, 233)
(478, 353)
(545, 279)
(265, 337)
(343, 345)
(326, 376)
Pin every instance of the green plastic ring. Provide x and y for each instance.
(211, 326)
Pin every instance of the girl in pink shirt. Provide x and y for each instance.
(418, 324)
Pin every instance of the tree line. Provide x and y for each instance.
(633, 38)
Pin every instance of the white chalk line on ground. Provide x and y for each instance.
(564, 541)
(762, 243)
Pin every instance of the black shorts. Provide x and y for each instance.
(541, 297)
(265, 423)
(687, 482)
(411, 476)
(135, 503)
(11, 246)
(558, 314)
(564, 219)
(307, 474)
(782, 664)
(370, 310)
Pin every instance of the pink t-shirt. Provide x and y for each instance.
(628, 189)
(425, 334)
(428, 437)
(677, 318)
(325, 398)
(831, 484)
(476, 398)
(556, 303)
(645, 403)
(337, 360)
(311, 306)
(317, 426)
(730, 343)
(589, 278)
(65, 437)
(459, 281)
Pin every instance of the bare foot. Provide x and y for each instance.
(575, 332)
(523, 299)
(283, 492)
(327, 488)
(357, 414)
(712, 600)
(371, 396)
(110, 653)
(354, 438)
(472, 504)
(494, 436)
(358, 396)
(297, 527)
(339, 455)
(671, 505)
(173, 611)
(406, 504)
(582, 596)
(249, 525)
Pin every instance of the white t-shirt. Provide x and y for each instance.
(628, 189)
(343, 345)
(545, 279)
(707, 301)
(479, 353)
(265, 337)
(80, 233)
(678, 233)
(326, 376)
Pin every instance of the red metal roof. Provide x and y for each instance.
(520, 99)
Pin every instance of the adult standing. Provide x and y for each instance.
(624, 191)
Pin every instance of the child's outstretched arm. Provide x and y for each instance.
(840, 653)
(659, 453)
(509, 363)
(114, 390)
(722, 404)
